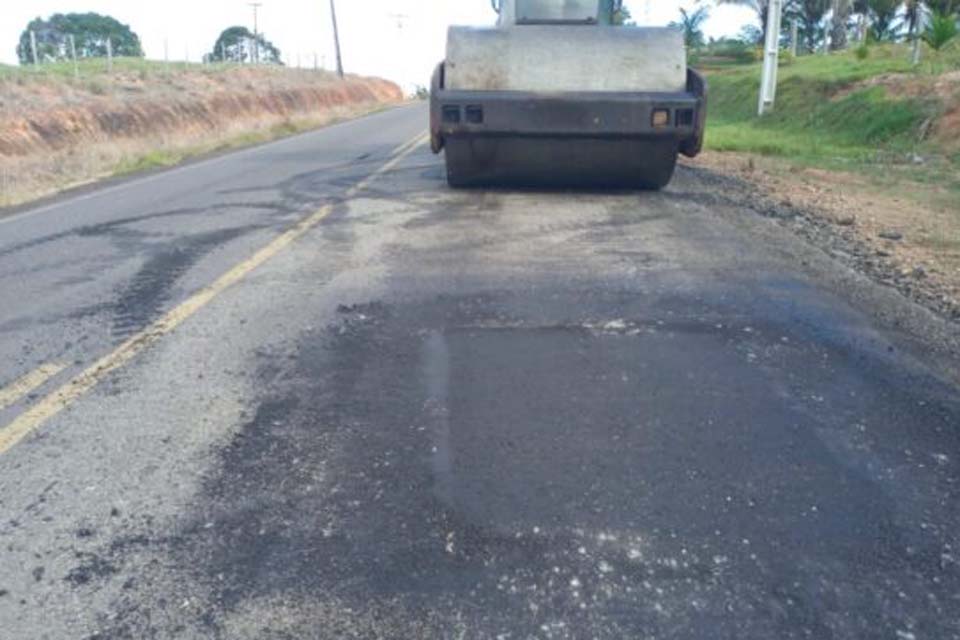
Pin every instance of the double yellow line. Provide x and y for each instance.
(57, 401)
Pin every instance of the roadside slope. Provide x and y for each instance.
(57, 131)
(866, 149)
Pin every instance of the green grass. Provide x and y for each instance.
(817, 119)
(97, 68)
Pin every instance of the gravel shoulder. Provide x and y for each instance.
(903, 234)
(902, 238)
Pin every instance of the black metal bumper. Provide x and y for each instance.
(662, 116)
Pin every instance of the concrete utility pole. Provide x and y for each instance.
(794, 38)
(256, 33)
(915, 30)
(109, 56)
(33, 47)
(73, 56)
(771, 58)
(336, 37)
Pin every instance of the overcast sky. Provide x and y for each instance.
(397, 39)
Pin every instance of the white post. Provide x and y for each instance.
(315, 63)
(915, 54)
(771, 56)
(33, 47)
(109, 56)
(794, 37)
(73, 54)
(223, 52)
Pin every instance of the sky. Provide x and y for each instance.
(397, 39)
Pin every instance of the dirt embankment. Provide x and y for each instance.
(55, 133)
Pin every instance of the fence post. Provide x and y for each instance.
(33, 47)
(109, 56)
(73, 55)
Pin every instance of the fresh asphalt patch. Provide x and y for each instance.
(595, 465)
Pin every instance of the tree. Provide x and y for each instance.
(810, 16)
(760, 7)
(839, 26)
(692, 24)
(883, 15)
(622, 18)
(90, 31)
(235, 45)
(941, 30)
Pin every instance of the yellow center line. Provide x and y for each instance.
(57, 401)
(13, 393)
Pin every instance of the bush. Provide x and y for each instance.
(942, 29)
(862, 52)
(97, 87)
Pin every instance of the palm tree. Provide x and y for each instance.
(810, 16)
(692, 24)
(883, 14)
(941, 30)
(838, 30)
(913, 20)
(760, 7)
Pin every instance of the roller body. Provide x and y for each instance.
(560, 103)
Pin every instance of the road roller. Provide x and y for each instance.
(558, 94)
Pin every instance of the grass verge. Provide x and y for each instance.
(829, 114)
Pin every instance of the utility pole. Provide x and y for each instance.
(336, 37)
(33, 47)
(771, 58)
(256, 34)
(73, 55)
(915, 30)
(109, 56)
(794, 37)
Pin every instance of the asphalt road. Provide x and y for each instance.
(307, 391)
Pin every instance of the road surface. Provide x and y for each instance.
(307, 391)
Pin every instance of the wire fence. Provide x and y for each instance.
(65, 61)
